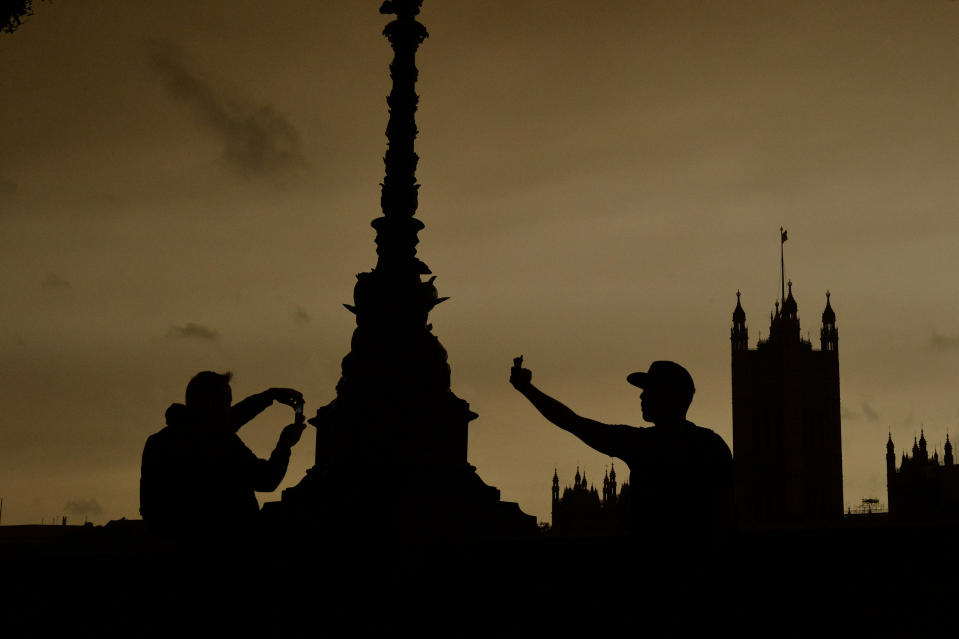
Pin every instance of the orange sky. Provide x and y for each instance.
(186, 186)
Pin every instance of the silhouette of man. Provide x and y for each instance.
(681, 475)
(197, 476)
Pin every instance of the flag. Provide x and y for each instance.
(783, 238)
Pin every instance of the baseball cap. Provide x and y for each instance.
(664, 375)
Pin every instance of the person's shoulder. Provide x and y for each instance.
(159, 438)
(159, 446)
(167, 438)
(709, 437)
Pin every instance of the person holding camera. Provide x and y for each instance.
(197, 476)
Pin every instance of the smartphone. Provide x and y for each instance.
(299, 410)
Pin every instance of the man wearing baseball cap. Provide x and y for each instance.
(681, 475)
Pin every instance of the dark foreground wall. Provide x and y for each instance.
(860, 581)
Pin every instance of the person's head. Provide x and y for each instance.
(667, 392)
(208, 396)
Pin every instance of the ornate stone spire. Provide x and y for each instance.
(394, 406)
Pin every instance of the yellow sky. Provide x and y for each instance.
(186, 186)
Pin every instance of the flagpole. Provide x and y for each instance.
(782, 262)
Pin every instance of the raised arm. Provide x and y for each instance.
(245, 410)
(605, 438)
(268, 473)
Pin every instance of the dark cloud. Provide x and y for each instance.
(846, 413)
(193, 331)
(301, 316)
(83, 507)
(940, 343)
(869, 412)
(53, 282)
(257, 140)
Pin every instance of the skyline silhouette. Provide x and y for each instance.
(555, 195)
(392, 529)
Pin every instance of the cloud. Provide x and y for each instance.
(193, 331)
(53, 282)
(846, 413)
(256, 139)
(940, 343)
(869, 412)
(83, 507)
(301, 316)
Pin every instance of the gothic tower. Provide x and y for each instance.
(786, 420)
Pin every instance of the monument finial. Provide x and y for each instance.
(401, 8)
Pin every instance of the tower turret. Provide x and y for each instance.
(790, 309)
(613, 495)
(555, 491)
(947, 452)
(739, 334)
(892, 495)
(923, 452)
(829, 335)
(890, 456)
(784, 327)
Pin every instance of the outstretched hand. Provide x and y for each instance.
(521, 378)
(287, 396)
(291, 434)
